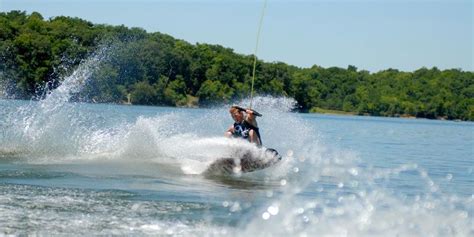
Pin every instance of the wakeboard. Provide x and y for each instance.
(244, 162)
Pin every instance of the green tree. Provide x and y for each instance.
(143, 93)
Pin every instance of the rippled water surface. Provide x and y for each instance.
(110, 169)
(81, 169)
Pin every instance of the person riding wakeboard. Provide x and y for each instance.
(245, 125)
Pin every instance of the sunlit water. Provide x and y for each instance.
(81, 169)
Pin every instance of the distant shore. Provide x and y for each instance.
(405, 116)
(193, 103)
(330, 111)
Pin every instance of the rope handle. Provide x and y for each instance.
(243, 109)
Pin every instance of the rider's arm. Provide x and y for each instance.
(251, 118)
(229, 131)
(253, 137)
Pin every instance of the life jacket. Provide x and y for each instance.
(242, 130)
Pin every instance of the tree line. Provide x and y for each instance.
(157, 69)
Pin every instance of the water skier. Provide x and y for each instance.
(245, 125)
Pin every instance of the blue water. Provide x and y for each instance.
(97, 169)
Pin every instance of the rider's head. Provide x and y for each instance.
(236, 114)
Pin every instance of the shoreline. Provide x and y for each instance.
(194, 105)
(403, 116)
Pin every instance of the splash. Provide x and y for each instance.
(7, 85)
(193, 141)
(38, 127)
(334, 193)
(73, 83)
(3, 86)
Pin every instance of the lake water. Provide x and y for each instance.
(96, 169)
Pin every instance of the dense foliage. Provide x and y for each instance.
(156, 69)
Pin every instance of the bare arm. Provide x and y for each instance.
(251, 118)
(229, 132)
(253, 137)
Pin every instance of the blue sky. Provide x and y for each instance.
(369, 34)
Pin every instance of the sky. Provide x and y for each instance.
(372, 35)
